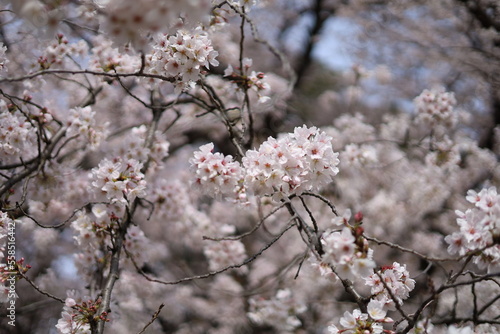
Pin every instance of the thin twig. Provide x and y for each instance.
(38, 289)
(153, 318)
(255, 228)
(216, 272)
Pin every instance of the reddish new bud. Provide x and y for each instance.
(358, 231)
(358, 217)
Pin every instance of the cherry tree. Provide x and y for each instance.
(158, 177)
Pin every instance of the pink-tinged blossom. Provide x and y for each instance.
(280, 312)
(134, 147)
(396, 278)
(292, 164)
(120, 181)
(183, 57)
(104, 57)
(72, 321)
(479, 226)
(356, 155)
(58, 50)
(18, 137)
(345, 254)
(358, 322)
(244, 79)
(215, 173)
(82, 122)
(343, 219)
(376, 310)
(435, 108)
(69, 324)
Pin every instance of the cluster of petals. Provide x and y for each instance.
(91, 229)
(295, 163)
(183, 56)
(58, 49)
(394, 277)
(82, 122)
(71, 321)
(435, 107)
(17, 135)
(342, 252)
(134, 146)
(121, 181)
(105, 57)
(215, 173)
(359, 155)
(358, 322)
(292, 164)
(244, 79)
(279, 312)
(479, 227)
(170, 198)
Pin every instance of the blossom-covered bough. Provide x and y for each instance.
(157, 177)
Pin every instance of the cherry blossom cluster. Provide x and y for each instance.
(479, 228)
(395, 278)
(92, 232)
(435, 107)
(224, 253)
(292, 164)
(296, 162)
(366, 323)
(170, 199)
(244, 80)
(359, 155)
(134, 146)
(121, 181)
(77, 314)
(280, 312)
(184, 56)
(17, 135)
(130, 21)
(135, 244)
(71, 320)
(215, 173)
(348, 254)
(82, 122)
(58, 49)
(89, 227)
(105, 57)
